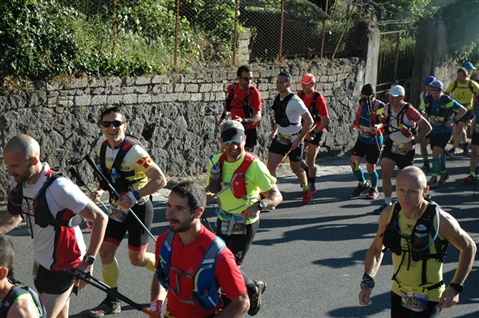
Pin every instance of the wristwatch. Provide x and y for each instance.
(261, 205)
(457, 287)
(137, 195)
(89, 259)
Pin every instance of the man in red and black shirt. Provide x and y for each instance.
(316, 103)
(243, 103)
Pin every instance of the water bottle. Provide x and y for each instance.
(114, 175)
(214, 177)
(420, 243)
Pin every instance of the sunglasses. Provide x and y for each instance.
(247, 78)
(230, 142)
(115, 123)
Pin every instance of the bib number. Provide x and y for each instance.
(235, 228)
(398, 148)
(414, 298)
(284, 139)
(365, 132)
(117, 213)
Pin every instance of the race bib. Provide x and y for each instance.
(436, 120)
(236, 228)
(117, 213)
(398, 148)
(414, 298)
(284, 138)
(365, 132)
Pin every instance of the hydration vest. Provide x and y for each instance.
(372, 112)
(42, 214)
(419, 250)
(238, 181)
(120, 183)
(279, 107)
(247, 108)
(402, 127)
(17, 290)
(312, 107)
(205, 290)
(445, 99)
(470, 86)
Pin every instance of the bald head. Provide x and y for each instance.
(25, 145)
(413, 173)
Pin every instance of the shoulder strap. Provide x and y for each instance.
(163, 263)
(17, 290)
(247, 108)
(238, 181)
(129, 142)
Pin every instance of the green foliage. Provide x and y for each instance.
(36, 38)
(460, 18)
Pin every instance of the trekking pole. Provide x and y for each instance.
(116, 195)
(475, 179)
(105, 288)
(273, 168)
(75, 175)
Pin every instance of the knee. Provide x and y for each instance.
(297, 170)
(138, 260)
(354, 165)
(106, 255)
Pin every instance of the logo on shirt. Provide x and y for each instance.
(145, 162)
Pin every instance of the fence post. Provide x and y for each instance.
(177, 24)
(235, 36)
(324, 30)
(280, 53)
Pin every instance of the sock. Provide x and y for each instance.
(151, 262)
(360, 176)
(388, 200)
(305, 187)
(374, 179)
(473, 173)
(436, 163)
(111, 273)
(443, 163)
(312, 180)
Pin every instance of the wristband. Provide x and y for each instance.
(132, 197)
(223, 116)
(368, 281)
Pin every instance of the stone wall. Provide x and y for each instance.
(183, 109)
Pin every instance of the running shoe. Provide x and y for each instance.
(255, 300)
(432, 182)
(469, 179)
(443, 179)
(307, 196)
(450, 153)
(107, 307)
(379, 210)
(426, 168)
(373, 194)
(360, 188)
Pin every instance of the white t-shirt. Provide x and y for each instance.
(294, 110)
(50, 252)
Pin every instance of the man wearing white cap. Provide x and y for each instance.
(402, 123)
(316, 103)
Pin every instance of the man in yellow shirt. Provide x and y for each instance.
(463, 90)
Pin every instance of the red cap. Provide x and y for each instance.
(308, 79)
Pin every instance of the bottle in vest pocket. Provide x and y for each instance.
(420, 237)
(114, 175)
(405, 131)
(214, 177)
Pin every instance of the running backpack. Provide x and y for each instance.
(247, 108)
(406, 130)
(312, 108)
(445, 99)
(17, 290)
(205, 290)
(42, 213)
(279, 107)
(470, 86)
(238, 181)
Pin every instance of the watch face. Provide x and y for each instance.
(261, 205)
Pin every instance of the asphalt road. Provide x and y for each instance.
(310, 256)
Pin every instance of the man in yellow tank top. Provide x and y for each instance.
(414, 295)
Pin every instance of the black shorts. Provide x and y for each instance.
(439, 140)
(54, 283)
(281, 149)
(475, 139)
(138, 238)
(238, 244)
(251, 136)
(318, 139)
(368, 151)
(467, 116)
(398, 311)
(402, 161)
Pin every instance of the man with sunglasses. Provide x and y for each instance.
(243, 103)
(242, 178)
(134, 175)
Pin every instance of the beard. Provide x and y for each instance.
(182, 226)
